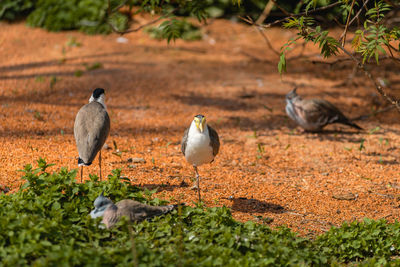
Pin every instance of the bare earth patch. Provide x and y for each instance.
(266, 167)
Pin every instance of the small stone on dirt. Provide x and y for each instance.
(136, 160)
(122, 40)
(345, 196)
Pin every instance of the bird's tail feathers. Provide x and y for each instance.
(170, 208)
(352, 124)
(82, 163)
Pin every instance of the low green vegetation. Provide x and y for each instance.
(46, 223)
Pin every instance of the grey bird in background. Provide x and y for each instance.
(200, 144)
(314, 114)
(91, 129)
(133, 210)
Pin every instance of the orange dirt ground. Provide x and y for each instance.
(266, 165)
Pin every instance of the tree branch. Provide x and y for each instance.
(347, 24)
(109, 11)
(359, 12)
(379, 88)
(265, 13)
(141, 26)
(373, 114)
(299, 15)
(282, 9)
(260, 30)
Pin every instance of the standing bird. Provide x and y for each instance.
(133, 210)
(200, 144)
(92, 126)
(314, 114)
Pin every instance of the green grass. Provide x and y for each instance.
(46, 223)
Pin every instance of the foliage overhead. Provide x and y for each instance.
(46, 223)
(96, 16)
(371, 40)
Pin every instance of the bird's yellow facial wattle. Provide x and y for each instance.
(200, 123)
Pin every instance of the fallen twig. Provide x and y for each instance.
(372, 114)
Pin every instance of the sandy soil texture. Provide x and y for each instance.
(266, 167)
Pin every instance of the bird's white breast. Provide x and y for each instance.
(198, 149)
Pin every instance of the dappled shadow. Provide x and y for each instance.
(254, 205)
(338, 138)
(331, 135)
(245, 101)
(34, 132)
(163, 187)
(142, 73)
(219, 102)
(387, 162)
(60, 74)
(276, 121)
(54, 62)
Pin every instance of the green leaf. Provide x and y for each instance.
(282, 63)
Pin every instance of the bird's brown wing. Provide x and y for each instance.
(335, 115)
(133, 210)
(184, 141)
(137, 211)
(329, 109)
(91, 129)
(214, 140)
(315, 111)
(111, 216)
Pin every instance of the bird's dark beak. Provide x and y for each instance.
(102, 193)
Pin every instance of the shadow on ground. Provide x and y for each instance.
(254, 205)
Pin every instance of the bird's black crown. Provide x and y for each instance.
(292, 94)
(98, 92)
(199, 116)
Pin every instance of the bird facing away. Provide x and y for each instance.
(200, 144)
(314, 114)
(133, 210)
(91, 129)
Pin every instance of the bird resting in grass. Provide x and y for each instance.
(200, 144)
(91, 129)
(133, 210)
(314, 114)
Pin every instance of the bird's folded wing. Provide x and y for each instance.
(214, 140)
(184, 141)
(314, 112)
(110, 217)
(137, 211)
